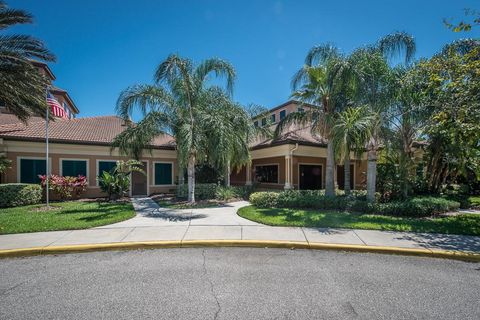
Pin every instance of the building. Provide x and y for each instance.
(82, 146)
(79, 146)
(296, 159)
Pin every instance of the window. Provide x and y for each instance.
(106, 166)
(30, 169)
(267, 173)
(300, 109)
(272, 118)
(163, 173)
(264, 121)
(255, 123)
(74, 168)
(283, 113)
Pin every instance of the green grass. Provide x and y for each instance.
(468, 224)
(69, 215)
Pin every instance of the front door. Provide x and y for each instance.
(310, 177)
(139, 182)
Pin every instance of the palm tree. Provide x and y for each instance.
(22, 87)
(350, 132)
(208, 127)
(322, 82)
(372, 64)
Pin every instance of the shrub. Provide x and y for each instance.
(226, 193)
(19, 194)
(65, 187)
(203, 191)
(356, 202)
(264, 199)
(117, 182)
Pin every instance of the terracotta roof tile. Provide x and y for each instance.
(294, 134)
(93, 130)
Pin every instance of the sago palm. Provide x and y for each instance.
(350, 133)
(208, 127)
(22, 87)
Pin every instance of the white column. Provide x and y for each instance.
(248, 181)
(288, 173)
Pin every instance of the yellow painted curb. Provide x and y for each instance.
(456, 255)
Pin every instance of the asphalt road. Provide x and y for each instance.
(237, 283)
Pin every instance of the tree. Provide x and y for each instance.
(350, 133)
(208, 127)
(465, 25)
(321, 82)
(22, 87)
(372, 64)
(450, 87)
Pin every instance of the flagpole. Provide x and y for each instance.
(46, 151)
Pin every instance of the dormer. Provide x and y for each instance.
(44, 69)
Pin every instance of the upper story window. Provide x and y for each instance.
(264, 121)
(283, 114)
(272, 118)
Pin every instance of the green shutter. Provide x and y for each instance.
(106, 166)
(74, 168)
(30, 169)
(163, 173)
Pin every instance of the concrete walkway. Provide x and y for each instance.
(153, 223)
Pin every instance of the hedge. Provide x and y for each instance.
(19, 194)
(356, 202)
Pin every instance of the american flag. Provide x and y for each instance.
(55, 106)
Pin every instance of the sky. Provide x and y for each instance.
(103, 46)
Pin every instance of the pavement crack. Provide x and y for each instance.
(5, 291)
(212, 289)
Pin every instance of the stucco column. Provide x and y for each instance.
(248, 180)
(288, 174)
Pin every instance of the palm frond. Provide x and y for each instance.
(398, 43)
(220, 67)
(321, 54)
(144, 97)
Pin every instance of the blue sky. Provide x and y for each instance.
(104, 46)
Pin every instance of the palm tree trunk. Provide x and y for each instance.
(329, 179)
(227, 174)
(191, 178)
(347, 175)
(371, 175)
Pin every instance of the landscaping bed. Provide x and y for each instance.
(67, 215)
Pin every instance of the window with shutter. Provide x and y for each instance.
(163, 173)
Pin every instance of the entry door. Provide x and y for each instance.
(341, 177)
(310, 177)
(139, 182)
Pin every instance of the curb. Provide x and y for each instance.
(24, 252)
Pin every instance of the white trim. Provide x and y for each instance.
(267, 164)
(60, 166)
(19, 164)
(97, 167)
(173, 175)
(352, 174)
(322, 183)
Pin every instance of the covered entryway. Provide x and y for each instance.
(341, 177)
(139, 182)
(310, 176)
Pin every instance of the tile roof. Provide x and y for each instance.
(294, 134)
(92, 130)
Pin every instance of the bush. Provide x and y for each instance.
(264, 199)
(19, 194)
(203, 191)
(356, 202)
(67, 187)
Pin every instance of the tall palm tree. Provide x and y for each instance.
(350, 132)
(208, 127)
(22, 87)
(372, 63)
(321, 82)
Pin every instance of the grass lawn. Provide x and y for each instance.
(67, 216)
(463, 224)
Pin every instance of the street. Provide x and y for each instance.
(237, 283)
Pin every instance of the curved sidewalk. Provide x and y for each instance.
(156, 227)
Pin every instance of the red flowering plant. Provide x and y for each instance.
(65, 187)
